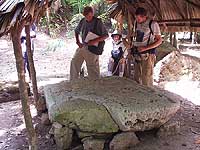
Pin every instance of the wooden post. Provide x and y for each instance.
(31, 64)
(193, 38)
(48, 21)
(15, 35)
(171, 38)
(175, 40)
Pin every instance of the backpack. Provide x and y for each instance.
(151, 51)
(117, 54)
(99, 49)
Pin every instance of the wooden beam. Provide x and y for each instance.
(179, 20)
(31, 65)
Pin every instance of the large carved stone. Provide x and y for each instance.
(103, 105)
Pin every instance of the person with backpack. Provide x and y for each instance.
(116, 63)
(93, 34)
(147, 39)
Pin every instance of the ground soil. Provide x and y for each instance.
(52, 60)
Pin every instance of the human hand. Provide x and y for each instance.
(80, 45)
(129, 56)
(92, 42)
(122, 60)
(142, 49)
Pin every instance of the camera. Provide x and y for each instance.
(134, 51)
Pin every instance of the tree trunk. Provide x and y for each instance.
(15, 34)
(31, 64)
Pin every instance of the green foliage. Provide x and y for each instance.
(69, 13)
(75, 20)
(95, 2)
(78, 5)
(56, 45)
(73, 24)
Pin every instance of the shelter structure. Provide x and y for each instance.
(172, 15)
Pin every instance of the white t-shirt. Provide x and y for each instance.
(117, 45)
(23, 44)
(143, 32)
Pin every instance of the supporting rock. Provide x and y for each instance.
(41, 105)
(172, 127)
(123, 141)
(93, 144)
(62, 136)
(45, 119)
(82, 135)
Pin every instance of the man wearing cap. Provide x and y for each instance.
(86, 25)
(148, 37)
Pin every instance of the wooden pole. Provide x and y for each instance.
(171, 38)
(175, 40)
(48, 21)
(31, 64)
(193, 37)
(15, 35)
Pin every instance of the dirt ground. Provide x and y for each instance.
(52, 60)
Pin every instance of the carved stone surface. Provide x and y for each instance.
(103, 105)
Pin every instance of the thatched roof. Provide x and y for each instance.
(12, 11)
(177, 15)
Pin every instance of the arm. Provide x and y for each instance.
(103, 33)
(80, 45)
(157, 38)
(97, 40)
(158, 41)
(77, 33)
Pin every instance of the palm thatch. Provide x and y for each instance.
(12, 11)
(172, 15)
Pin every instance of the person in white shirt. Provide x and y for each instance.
(24, 50)
(148, 38)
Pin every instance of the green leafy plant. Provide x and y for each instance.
(78, 5)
